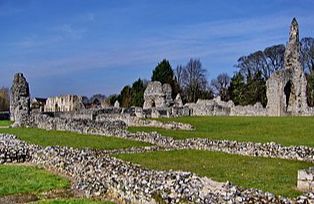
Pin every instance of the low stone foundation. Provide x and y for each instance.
(97, 175)
(131, 117)
(76, 125)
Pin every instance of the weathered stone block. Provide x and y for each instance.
(304, 175)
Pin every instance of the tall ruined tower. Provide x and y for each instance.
(286, 89)
(292, 53)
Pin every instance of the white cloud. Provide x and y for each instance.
(219, 40)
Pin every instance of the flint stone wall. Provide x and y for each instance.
(216, 107)
(86, 114)
(139, 122)
(76, 125)
(98, 175)
(131, 117)
(249, 110)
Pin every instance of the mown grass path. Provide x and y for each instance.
(20, 182)
(5, 123)
(282, 130)
(26, 179)
(278, 176)
(70, 139)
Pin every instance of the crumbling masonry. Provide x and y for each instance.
(286, 89)
(19, 100)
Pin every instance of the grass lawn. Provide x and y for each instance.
(283, 130)
(73, 201)
(273, 175)
(70, 139)
(5, 123)
(25, 179)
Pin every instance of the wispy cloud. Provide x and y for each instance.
(223, 41)
(35, 41)
(68, 31)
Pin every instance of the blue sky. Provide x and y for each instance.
(98, 46)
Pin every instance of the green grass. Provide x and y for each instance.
(73, 201)
(70, 139)
(282, 130)
(273, 175)
(4, 123)
(26, 179)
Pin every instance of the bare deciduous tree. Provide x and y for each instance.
(4, 99)
(220, 86)
(179, 74)
(307, 54)
(265, 62)
(194, 81)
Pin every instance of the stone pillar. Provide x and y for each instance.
(178, 101)
(116, 104)
(19, 100)
(286, 89)
(306, 180)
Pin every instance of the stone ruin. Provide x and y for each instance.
(157, 95)
(286, 94)
(286, 89)
(19, 100)
(65, 103)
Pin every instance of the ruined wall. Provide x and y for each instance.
(64, 103)
(216, 107)
(19, 100)
(249, 110)
(286, 89)
(86, 126)
(157, 95)
(208, 108)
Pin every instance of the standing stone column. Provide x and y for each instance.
(19, 100)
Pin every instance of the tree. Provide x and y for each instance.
(220, 86)
(194, 81)
(274, 58)
(163, 73)
(179, 75)
(99, 97)
(237, 89)
(255, 90)
(131, 95)
(310, 89)
(265, 62)
(307, 54)
(4, 99)
(138, 89)
(112, 99)
(125, 97)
